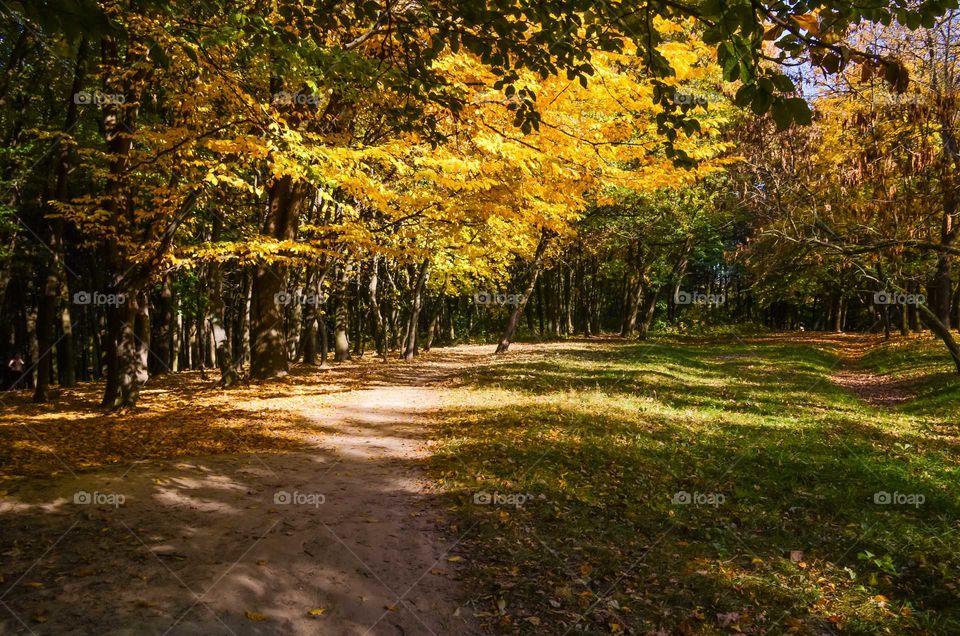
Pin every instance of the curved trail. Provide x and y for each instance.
(875, 389)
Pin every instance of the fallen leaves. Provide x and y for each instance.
(189, 417)
(606, 467)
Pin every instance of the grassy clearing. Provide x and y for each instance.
(781, 468)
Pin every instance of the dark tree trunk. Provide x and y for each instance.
(433, 322)
(125, 355)
(941, 289)
(631, 307)
(415, 305)
(838, 316)
(308, 338)
(324, 340)
(539, 289)
(942, 332)
(163, 326)
(533, 273)
(52, 276)
(268, 346)
(649, 306)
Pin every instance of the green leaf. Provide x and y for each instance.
(800, 110)
(781, 114)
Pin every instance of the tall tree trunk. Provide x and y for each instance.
(540, 310)
(838, 317)
(176, 340)
(649, 306)
(66, 347)
(268, 348)
(565, 289)
(631, 306)
(433, 322)
(308, 337)
(941, 289)
(380, 335)
(123, 353)
(451, 325)
(52, 272)
(163, 328)
(324, 339)
(126, 278)
(416, 304)
(341, 317)
(533, 273)
(221, 354)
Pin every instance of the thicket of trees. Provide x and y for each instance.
(240, 185)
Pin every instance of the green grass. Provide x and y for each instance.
(924, 366)
(605, 435)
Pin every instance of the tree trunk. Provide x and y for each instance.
(268, 348)
(124, 355)
(341, 318)
(66, 348)
(416, 304)
(380, 336)
(631, 301)
(308, 337)
(46, 311)
(162, 338)
(649, 306)
(534, 272)
(52, 275)
(176, 342)
(943, 332)
(324, 340)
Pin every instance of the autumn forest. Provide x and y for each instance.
(479, 317)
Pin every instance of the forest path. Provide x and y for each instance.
(343, 538)
(876, 389)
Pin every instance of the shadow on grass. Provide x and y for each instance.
(691, 488)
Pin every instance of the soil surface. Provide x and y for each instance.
(878, 390)
(344, 537)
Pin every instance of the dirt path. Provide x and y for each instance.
(349, 531)
(878, 390)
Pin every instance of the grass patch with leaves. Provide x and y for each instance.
(699, 486)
